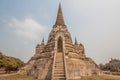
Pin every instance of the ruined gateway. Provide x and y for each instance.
(60, 59)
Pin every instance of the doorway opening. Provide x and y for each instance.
(60, 45)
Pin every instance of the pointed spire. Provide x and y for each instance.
(59, 20)
(42, 43)
(76, 42)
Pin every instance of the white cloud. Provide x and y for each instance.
(27, 28)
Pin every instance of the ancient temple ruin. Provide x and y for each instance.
(60, 58)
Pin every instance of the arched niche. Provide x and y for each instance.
(60, 45)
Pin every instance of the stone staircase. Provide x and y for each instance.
(59, 68)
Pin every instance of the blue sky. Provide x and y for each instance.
(95, 23)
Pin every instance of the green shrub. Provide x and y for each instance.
(10, 63)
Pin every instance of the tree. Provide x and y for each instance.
(113, 65)
(10, 63)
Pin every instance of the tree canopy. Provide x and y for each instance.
(10, 63)
(113, 65)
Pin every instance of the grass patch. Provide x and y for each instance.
(102, 77)
(17, 77)
(25, 77)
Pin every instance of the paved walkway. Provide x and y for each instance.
(3, 75)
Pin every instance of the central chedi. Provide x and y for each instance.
(60, 58)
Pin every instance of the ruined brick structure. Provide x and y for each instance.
(60, 58)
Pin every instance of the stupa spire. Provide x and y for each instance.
(76, 42)
(59, 20)
(42, 43)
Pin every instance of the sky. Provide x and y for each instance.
(95, 23)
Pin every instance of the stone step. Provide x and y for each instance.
(59, 61)
(60, 64)
(59, 67)
(59, 56)
(59, 72)
(59, 75)
(59, 78)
